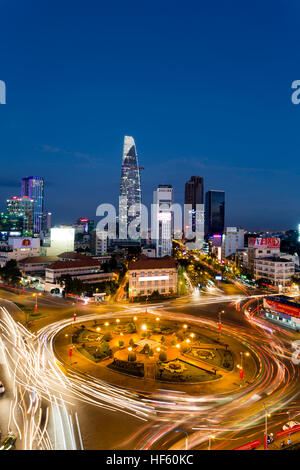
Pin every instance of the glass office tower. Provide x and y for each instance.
(214, 213)
(33, 187)
(130, 189)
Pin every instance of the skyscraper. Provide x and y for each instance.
(193, 197)
(214, 213)
(33, 187)
(163, 220)
(130, 191)
(22, 207)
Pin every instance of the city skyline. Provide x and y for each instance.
(221, 111)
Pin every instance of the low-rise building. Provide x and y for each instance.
(36, 264)
(87, 270)
(283, 310)
(152, 274)
(279, 269)
(18, 248)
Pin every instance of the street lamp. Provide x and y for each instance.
(210, 437)
(242, 366)
(36, 296)
(266, 427)
(220, 323)
(186, 438)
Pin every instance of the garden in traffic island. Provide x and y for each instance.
(150, 347)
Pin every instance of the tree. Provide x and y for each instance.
(162, 356)
(10, 272)
(131, 342)
(107, 336)
(104, 347)
(131, 357)
(121, 343)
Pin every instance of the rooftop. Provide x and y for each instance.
(275, 259)
(70, 255)
(152, 263)
(80, 263)
(38, 259)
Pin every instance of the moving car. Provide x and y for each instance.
(2, 389)
(8, 442)
(290, 425)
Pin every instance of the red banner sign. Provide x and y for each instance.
(288, 431)
(264, 242)
(241, 373)
(282, 308)
(70, 352)
(249, 446)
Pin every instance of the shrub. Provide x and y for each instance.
(121, 343)
(162, 339)
(162, 356)
(151, 353)
(131, 357)
(131, 342)
(104, 347)
(107, 336)
(144, 334)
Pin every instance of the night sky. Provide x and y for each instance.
(203, 87)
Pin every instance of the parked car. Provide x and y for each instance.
(8, 442)
(290, 425)
(2, 389)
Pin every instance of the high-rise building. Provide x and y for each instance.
(214, 213)
(193, 197)
(22, 207)
(233, 240)
(130, 191)
(46, 225)
(33, 187)
(162, 221)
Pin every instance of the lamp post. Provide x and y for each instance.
(186, 438)
(242, 366)
(266, 428)
(36, 304)
(210, 437)
(220, 324)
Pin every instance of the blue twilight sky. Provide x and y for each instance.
(203, 87)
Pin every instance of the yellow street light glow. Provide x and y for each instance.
(121, 334)
(192, 335)
(184, 326)
(144, 327)
(129, 349)
(178, 346)
(134, 318)
(247, 354)
(212, 437)
(157, 349)
(66, 335)
(157, 319)
(188, 340)
(98, 329)
(106, 323)
(117, 320)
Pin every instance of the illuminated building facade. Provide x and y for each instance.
(22, 207)
(33, 188)
(163, 220)
(130, 191)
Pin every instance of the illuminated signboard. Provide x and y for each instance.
(264, 242)
(153, 278)
(279, 307)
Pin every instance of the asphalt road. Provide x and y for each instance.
(234, 418)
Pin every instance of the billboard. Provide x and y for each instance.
(264, 242)
(23, 242)
(288, 308)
